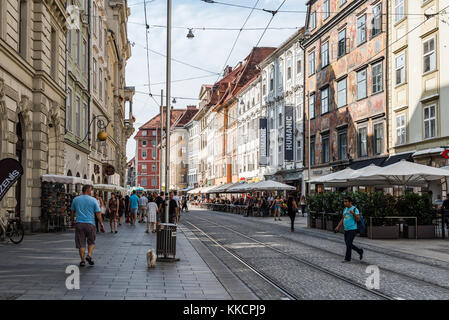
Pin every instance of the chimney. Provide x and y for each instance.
(227, 70)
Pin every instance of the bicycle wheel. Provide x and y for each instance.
(16, 232)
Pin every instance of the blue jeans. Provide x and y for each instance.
(349, 239)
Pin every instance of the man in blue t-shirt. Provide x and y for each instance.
(133, 207)
(86, 207)
(350, 218)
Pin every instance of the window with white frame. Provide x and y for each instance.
(399, 10)
(363, 142)
(271, 79)
(401, 130)
(281, 72)
(144, 143)
(341, 92)
(78, 40)
(400, 69)
(312, 20)
(430, 122)
(378, 137)
(326, 9)
(78, 117)
(84, 56)
(312, 151)
(298, 150)
(100, 82)
(342, 43)
(429, 55)
(85, 120)
(342, 2)
(325, 149)
(264, 84)
(153, 154)
(311, 63)
(144, 133)
(144, 154)
(361, 84)
(144, 182)
(361, 29)
(343, 145)
(154, 182)
(376, 22)
(69, 110)
(377, 77)
(325, 100)
(325, 54)
(289, 68)
(312, 106)
(298, 63)
(153, 167)
(94, 74)
(144, 168)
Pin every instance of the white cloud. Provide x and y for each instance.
(208, 50)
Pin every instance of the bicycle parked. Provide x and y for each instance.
(11, 226)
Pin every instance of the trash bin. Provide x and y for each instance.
(166, 241)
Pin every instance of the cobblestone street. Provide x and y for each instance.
(218, 264)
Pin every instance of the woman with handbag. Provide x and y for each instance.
(113, 207)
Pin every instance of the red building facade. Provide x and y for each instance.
(147, 152)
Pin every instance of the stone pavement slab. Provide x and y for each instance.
(35, 269)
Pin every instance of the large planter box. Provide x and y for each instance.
(319, 223)
(310, 222)
(330, 225)
(424, 232)
(383, 232)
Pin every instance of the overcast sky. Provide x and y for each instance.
(208, 50)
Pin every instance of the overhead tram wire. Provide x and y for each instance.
(179, 80)
(179, 61)
(237, 38)
(273, 14)
(147, 30)
(298, 11)
(218, 28)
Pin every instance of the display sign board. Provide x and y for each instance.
(263, 142)
(289, 134)
(10, 171)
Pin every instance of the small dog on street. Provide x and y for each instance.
(151, 258)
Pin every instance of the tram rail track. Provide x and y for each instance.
(272, 281)
(423, 281)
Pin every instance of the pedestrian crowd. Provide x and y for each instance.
(88, 214)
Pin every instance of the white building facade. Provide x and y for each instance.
(282, 82)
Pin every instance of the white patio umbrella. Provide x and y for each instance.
(269, 185)
(339, 175)
(404, 173)
(349, 178)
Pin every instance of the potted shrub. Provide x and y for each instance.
(419, 206)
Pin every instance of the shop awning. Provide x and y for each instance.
(53, 178)
(109, 187)
(364, 163)
(396, 158)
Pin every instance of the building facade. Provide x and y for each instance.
(97, 55)
(345, 84)
(418, 85)
(281, 89)
(32, 98)
(149, 150)
(193, 148)
(179, 141)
